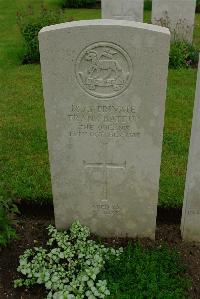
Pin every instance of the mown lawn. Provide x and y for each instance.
(23, 151)
(155, 273)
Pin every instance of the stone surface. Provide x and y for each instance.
(190, 225)
(177, 15)
(131, 10)
(104, 88)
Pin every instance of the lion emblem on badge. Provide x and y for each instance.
(104, 70)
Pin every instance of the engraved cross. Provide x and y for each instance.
(105, 166)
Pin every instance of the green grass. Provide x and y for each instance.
(136, 272)
(23, 151)
(178, 117)
(141, 273)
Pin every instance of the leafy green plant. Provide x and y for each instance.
(183, 54)
(8, 210)
(79, 3)
(30, 24)
(69, 266)
(155, 273)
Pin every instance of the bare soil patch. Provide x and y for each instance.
(31, 229)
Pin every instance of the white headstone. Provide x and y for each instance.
(190, 225)
(131, 10)
(177, 15)
(104, 99)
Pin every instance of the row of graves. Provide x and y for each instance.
(104, 85)
(177, 15)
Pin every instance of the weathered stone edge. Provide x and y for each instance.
(107, 22)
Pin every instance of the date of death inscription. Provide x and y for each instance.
(103, 121)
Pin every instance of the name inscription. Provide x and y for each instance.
(103, 121)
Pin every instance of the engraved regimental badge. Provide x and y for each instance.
(104, 70)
